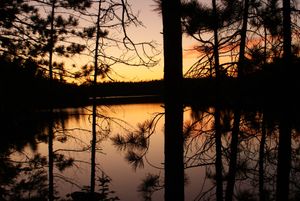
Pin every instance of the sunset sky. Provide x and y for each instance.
(152, 31)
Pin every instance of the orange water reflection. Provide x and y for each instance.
(73, 137)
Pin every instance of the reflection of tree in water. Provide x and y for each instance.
(23, 170)
(23, 181)
(101, 129)
(136, 143)
(255, 168)
(24, 176)
(256, 153)
(102, 193)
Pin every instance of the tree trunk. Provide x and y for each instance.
(172, 36)
(237, 113)
(284, 161)
(218, 135)
(94, 110)
(233, 154)
(216, 39)
(287, 31)
(284, 148)
(50, 158)
(51, 123)
(218, 162)
(262, 196)
(241, 67)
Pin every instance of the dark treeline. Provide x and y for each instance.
(22, 86)
(29, 88)
(264, 87)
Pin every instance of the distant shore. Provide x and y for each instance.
(251, 91)
(113, 100)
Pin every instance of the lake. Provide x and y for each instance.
(132, 168)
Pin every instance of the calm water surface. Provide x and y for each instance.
(72, 151)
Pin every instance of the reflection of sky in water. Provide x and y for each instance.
(125, 180)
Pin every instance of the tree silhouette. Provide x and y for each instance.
(261, 35)
(94, 121)
(210, 27)
(284, 149)
(172, 37)
(29, 26)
